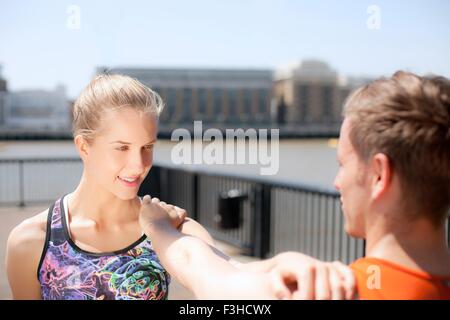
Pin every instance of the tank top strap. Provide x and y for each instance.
(57, 234)
(54, 231)
(56, 221)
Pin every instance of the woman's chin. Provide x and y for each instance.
(126, 195)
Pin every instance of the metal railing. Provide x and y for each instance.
(37, 181)
(276, 216)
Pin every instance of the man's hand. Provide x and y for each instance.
(297, 276)
(153, 211)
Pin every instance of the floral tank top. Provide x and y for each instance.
(68, 272)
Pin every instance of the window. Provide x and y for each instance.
(232, 105)
(263, 105)
(247, 95)
(171, 99)
(303, 95)
(186, 105)
(327, 102)
(202, 103)
(217, 104)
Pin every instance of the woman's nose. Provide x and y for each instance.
(139, 163)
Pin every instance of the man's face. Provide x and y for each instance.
(351, 182)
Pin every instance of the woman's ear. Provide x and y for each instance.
(82, 146)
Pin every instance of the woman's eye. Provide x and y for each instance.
(123, 148)
(149, 147)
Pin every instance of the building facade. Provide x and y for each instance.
(37, 109)
(218, 97)
(3, 90)
(312, 92)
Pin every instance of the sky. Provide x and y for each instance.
(46, 43)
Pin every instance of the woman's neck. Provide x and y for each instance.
(89, 200)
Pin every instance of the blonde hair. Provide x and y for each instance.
(111, 92)
(407, 117)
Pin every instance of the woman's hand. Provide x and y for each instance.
(154, 212)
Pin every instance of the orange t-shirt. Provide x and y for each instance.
(379, 279)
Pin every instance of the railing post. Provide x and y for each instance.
(261, 224)
(164, 183)
(448, 231)
(195, 195)
(21, 184)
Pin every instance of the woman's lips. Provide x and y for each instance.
(130, 184)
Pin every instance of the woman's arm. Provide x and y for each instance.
(197, 265)
(23, 252)
(187, 226)
(207, 272)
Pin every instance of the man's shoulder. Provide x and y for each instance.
(361, 263)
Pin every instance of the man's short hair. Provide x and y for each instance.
(407, 117)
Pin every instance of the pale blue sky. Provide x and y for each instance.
(38, 50)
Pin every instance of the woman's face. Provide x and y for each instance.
(121, 155)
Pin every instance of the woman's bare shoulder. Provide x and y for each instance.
(23, 253)
(29, 236)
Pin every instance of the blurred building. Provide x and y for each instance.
(312, 92)
(37, 109)
(215, 96)
(302, 99)
(3, 83)
(3, 90)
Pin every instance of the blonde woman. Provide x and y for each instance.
(89, 244)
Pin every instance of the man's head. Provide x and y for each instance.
(394, 151)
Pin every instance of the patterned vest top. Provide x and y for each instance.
(67, 272)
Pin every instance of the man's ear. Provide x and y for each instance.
(381, 174)
(82, 146)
